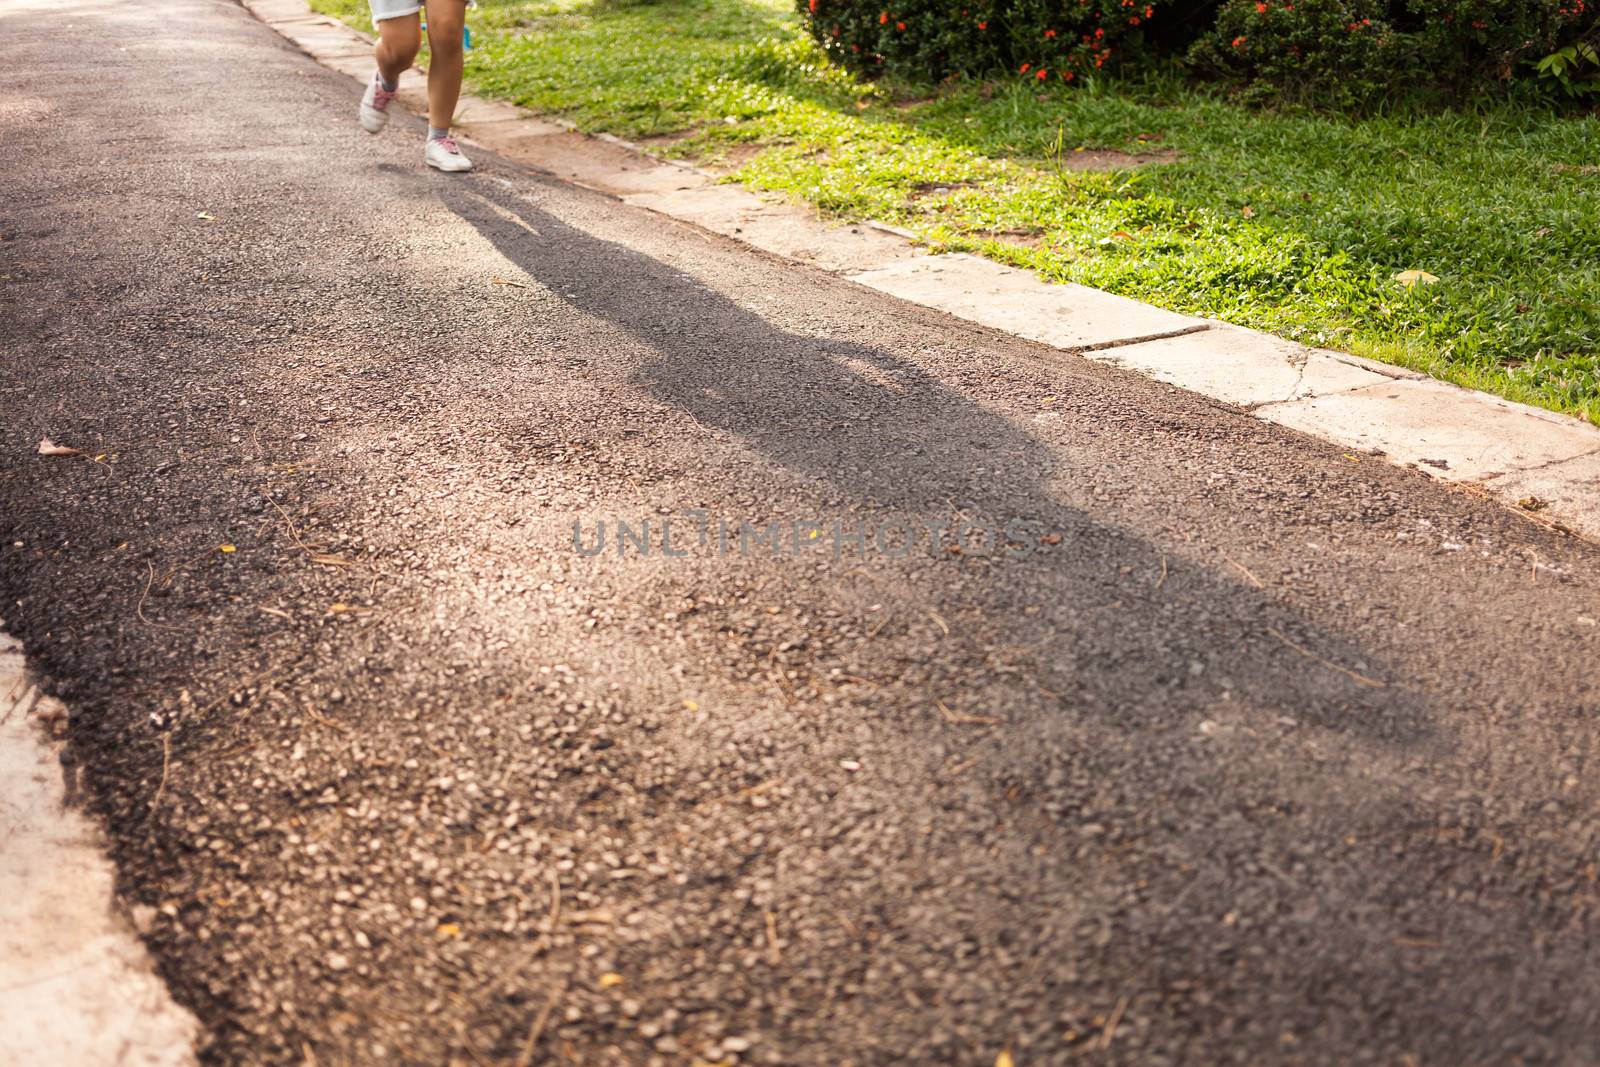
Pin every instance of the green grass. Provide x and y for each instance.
(1290, 223)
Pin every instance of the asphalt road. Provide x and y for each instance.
(1238, 749)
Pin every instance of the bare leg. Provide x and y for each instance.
(445, 21)
(398, 42)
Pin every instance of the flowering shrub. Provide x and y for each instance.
(1473, 40)
(1043, 40)
(1347, 54)
(1336, 52)
(1351, 53)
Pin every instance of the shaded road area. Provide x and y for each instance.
(1235, 748)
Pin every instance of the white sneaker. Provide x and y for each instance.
(375, 106)
(444, 154)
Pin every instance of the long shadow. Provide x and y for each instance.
(897, 442)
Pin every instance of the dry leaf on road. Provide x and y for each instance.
(48, 447)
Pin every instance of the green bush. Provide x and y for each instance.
(1345, 54)
(1476, 42)
(1045, 40)
(1336, 52)
(1352, 54)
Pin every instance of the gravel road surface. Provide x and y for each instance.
(1229, 748)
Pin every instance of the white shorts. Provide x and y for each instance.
(393, 9)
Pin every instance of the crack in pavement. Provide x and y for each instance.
(1123, 342)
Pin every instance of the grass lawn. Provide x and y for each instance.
(1293, 224)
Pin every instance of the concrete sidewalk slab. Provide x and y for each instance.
(780, 228)
(585, 161)
(322, 39)
(1013, 300)
(1448, 431)
(1241, 366)
(79, 987)
(273, 12)
(1568, 492)
(475, 111)
(509, 132)
(359, 67)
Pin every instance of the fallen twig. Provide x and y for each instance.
(166, 761)
(294, 535)
(956, 771)
(962, 718)
(324, 720)
(1110, 1031)
(138, 609)
(747, 792)
(1245, 571)
(774, 953)
(525, 1058)
(1359, 679)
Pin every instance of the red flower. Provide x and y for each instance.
(1238, 42)
(883, 18)
(1049, 33)
(1024, 68)
(983, 25)
(900, 26)
(1261, 9)
(1042, 74)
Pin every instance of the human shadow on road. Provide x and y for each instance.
(895, 440)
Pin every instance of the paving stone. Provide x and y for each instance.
(1570, 491)
(590, 162)
(1446, 431)
(1240, 366)
(80, 990)
(504, 135)
(358, 67)
(475, 111)
(784, 229)
(327, 42)
(412, 94)
(276, 11)
(1017, 301)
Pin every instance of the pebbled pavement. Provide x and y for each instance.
(1240, 750)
